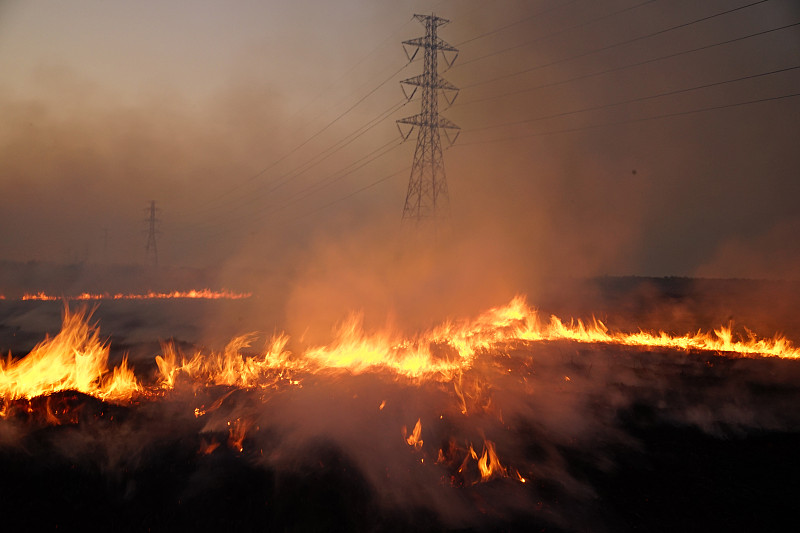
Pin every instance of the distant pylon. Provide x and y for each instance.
(427, 196)
(151, 250)
(105, 244)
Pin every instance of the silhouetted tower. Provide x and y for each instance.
(427, 187)
(105, 244)
(151, 251)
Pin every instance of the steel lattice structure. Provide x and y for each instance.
(151, 221)
(427, 196)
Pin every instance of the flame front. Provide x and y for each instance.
(75, 359)
(195, 294)
(464, 358)
(230, 367)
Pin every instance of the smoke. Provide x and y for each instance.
(573, 421)
(566, 418)
(536, 207)
(660, 197)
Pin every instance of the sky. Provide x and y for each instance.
(613, 137)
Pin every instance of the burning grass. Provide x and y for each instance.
(194, 294)
(505, 420)
(76, 359)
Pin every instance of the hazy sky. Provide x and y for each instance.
(598, 137)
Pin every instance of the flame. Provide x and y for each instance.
(230, 367)
(517, 321)
(414, 439)
(204, 294)
(453, 355)
(237, 432)
(469, 468)
(75, 359)
(207, 446)
(489, 463)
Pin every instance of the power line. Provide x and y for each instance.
(632, 121)
(612, 46)
(341, 174)
(638, 99)
(337, 176)
(259, 193)
(347, 73)
(307, 165)
(306, 141)
(625, 67)
(520, 21)
(344, 172)
(332, 149)
(559, 32)
(350, 195)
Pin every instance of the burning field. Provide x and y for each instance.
(511, 420)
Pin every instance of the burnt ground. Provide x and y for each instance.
(635, 441)
(665, 476)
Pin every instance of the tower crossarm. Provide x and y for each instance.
(428, 81)
(422, 120)
(434, 20)
(436, 44)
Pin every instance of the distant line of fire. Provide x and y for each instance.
(199, 294)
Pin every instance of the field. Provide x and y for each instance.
(552, 435)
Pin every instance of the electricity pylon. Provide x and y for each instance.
(150, 248)
(427, 187)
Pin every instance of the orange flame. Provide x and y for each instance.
(75, 359)
(489, 463)
(204, 294)
(414, 439)
(237, 432)
(208, 446)
(229, 367)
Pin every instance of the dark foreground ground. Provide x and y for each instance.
(635, 440)
(674, 457)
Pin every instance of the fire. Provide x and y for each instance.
(489, 463)
(204, 294)
(230, 367)
(75, 359)
(518, 322)
(357, 352)
(469, 468)
(462, 359)
(414, 440)
(237, 432)
(207, 446)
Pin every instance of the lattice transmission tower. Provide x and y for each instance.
(427, 196)
(150, 249)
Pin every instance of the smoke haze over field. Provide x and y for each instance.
(217, 111)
